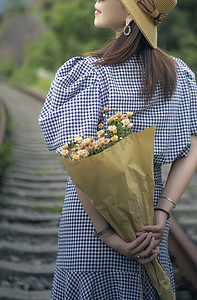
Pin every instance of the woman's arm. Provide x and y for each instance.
(178, 179)
(113, 240)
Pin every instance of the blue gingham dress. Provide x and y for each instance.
(86, 268)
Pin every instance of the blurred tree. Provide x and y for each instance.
(14, 7)
(72, 23)
(178, 33)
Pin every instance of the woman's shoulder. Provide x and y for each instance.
(183, 70)
(78, 67)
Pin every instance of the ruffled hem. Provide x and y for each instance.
(101, 286)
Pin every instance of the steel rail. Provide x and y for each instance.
(2, 122)
(181, 248)
(184, 252)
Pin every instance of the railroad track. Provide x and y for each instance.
(30, 206)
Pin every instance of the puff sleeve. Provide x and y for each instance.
(181, 119)
(73, 105)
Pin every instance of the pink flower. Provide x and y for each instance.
(125, 122)
(83, 153)
(106, 141)
(129, 114)
(130, 125)
(91, 146)
(100, 142)
(86, 141)
(78, 138)
(112, 128)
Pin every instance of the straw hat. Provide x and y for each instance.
(147, 14)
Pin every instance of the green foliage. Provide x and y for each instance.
(45, 53)
(5, 150)
(177, 34)
(72, 32)
(72, 23)
(7, 67)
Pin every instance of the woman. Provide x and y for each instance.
(130, 74)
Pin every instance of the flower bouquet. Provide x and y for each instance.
(116, 172)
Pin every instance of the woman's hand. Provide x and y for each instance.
(158, 227)
(144, 245)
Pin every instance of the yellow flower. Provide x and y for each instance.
(129, 114)
(64, 153)
(106, 109)
(65, 146)
(75, 157)
(114, 138)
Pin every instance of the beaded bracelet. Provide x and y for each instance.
(97, 234)
(164, 197)
(161, 209)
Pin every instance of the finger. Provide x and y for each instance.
(147, 252)
(138, 240)
(156, 251)
(147, 259)
(135, 251)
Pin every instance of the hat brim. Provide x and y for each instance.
(143, 21)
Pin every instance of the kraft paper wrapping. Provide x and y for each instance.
(120, 184)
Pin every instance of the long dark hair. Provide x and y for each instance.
(157, 65)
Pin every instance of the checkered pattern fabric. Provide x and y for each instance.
(86, 267)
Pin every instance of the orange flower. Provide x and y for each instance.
(64, 152)
(106, 109)
(110, 120)
(100, 126)
(80, 146)
(118, 115)
(114, 138)
(100, 133)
